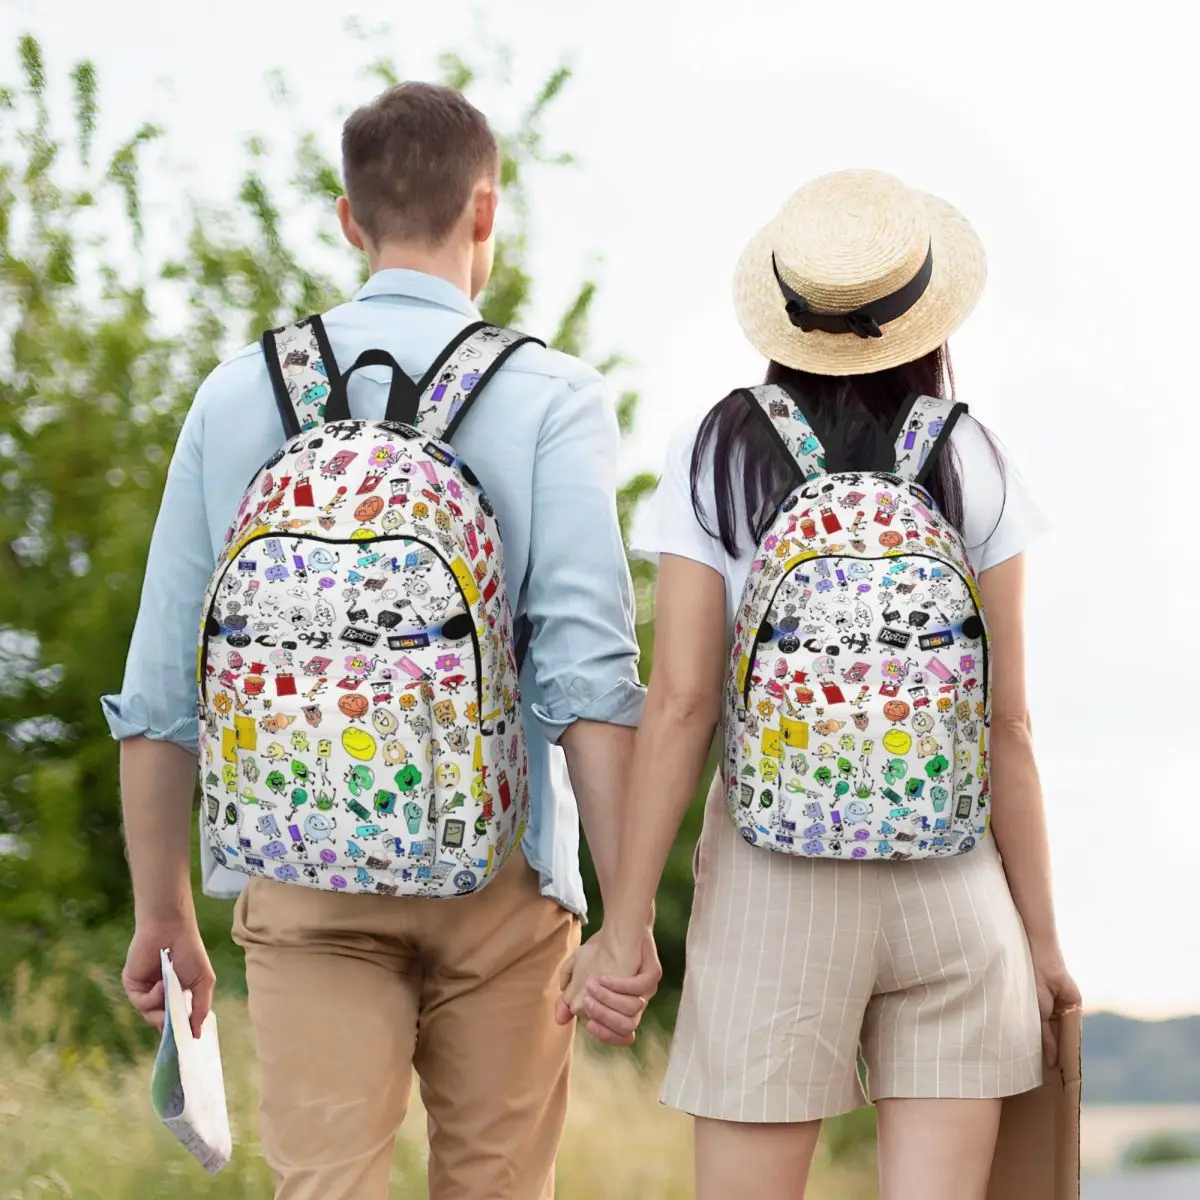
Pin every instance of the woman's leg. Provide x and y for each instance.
(936, 1149)
(753, 1161)
(954, 1027)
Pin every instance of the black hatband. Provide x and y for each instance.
(864, 321)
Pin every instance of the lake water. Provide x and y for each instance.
(1106, 1130)
(1158, 1183)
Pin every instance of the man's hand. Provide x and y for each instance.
(142, 977)
(609, 987)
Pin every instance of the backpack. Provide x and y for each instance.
(858, 698)
(360, 728)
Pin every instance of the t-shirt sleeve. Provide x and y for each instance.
(670, 525)
(1000, 517)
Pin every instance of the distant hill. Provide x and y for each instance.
(1140, 1062)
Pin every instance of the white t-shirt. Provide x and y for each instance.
(1000, 518)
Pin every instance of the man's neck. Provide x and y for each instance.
(450, 263)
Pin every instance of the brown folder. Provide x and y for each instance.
(1037, 1152)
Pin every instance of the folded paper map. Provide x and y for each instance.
(187, 1088)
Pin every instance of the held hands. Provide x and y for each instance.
(609, 986)
(142, 976)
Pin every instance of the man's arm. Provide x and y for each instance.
(155, 719)
(584, 649)
(157, 782)
(598, 758)
(579, 598)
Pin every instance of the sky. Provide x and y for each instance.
(1063, 134)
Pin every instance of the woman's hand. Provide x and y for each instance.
(1056, 992)
(610, 986)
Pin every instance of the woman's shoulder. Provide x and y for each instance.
(1000, 516)
(670, 523)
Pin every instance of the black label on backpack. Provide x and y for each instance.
(435, 451)
(408, 641)
(894, 637)
(358, 637)
(935, 641)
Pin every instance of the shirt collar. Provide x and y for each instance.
(416, 285)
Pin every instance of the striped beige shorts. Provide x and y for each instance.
(797, 966)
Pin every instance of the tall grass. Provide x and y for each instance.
(77, 1123)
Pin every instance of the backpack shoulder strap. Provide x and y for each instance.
(794, 433)
(303, 373)
(460, 373)
(922, 431)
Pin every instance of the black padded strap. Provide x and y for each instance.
(303, 373)
(781, 413)
(460, 374)
(524, 637)
(922, 429)
(943, 439)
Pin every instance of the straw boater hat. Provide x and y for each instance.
(858, 272)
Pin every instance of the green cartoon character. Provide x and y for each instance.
(360, 779)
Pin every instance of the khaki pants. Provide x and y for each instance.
(349, 993)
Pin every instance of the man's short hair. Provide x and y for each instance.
(410, 159)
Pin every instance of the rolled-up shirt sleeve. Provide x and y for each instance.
(579, 596)
(158, 695)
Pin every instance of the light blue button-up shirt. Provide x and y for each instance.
(543, 440)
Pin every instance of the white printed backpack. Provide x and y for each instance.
(858, 698)
(360, 728)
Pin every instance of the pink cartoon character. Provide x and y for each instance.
(359, 664)
(886, 505)
(338, 464)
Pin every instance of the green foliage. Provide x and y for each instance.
(850, 1138)
(93, 386)
(1161, 1149)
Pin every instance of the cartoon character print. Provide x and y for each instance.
(895, 764)
(457, 377)
(793, 427)
(921, 430)
(304, 372)
(349, 741)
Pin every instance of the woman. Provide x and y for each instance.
(828, 548)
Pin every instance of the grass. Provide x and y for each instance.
(76, 1123)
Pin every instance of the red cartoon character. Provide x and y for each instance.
(302, 495)
(338, 463)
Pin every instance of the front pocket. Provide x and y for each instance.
(341, 738)
(772, 641)
(879, 777)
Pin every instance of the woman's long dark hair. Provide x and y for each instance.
(857, 410)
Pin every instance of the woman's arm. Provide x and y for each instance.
(1018, 813)
(683, 705)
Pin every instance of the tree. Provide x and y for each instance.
(93, 387)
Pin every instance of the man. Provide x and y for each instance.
(349, 993)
